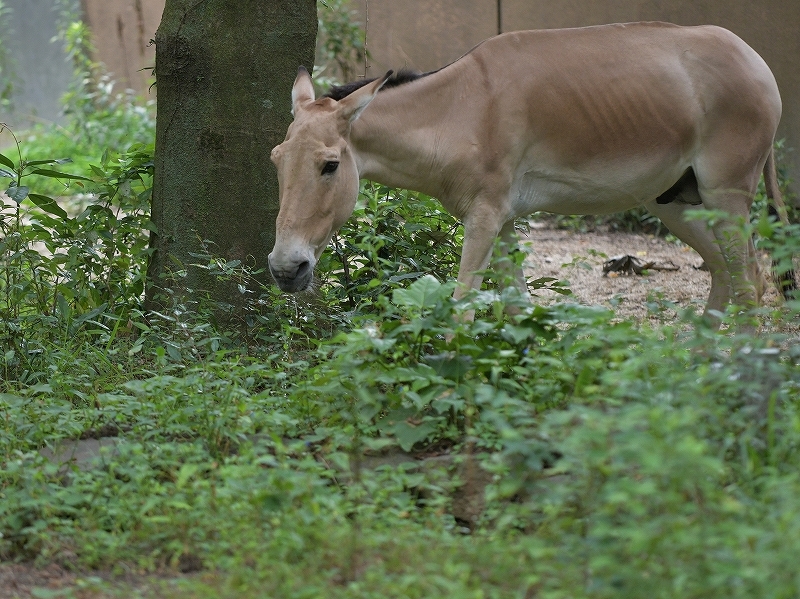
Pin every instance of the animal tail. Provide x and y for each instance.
(786, 281)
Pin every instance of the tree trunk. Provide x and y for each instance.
(225, 70)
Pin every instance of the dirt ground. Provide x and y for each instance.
(20, 580)
(26, 581)
(578, 258)
(551, 249)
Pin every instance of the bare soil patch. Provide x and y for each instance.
(578, 259)
(19, 580)
(29, 581)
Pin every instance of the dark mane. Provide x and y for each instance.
(403, 76)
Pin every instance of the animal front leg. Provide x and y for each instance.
(480, 232)
(509, 273)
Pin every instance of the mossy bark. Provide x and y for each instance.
(224, 71)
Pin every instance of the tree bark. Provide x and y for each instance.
(224, 72)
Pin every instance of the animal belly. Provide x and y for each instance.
(573, 193)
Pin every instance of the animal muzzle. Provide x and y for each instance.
(292, 273)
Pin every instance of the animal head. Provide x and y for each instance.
(317, 179)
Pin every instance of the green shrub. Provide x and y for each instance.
(394, 236)
(66, 273)
(341, 43)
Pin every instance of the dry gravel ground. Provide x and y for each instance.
(578, 258)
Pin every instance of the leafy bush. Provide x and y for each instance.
(66, 273)
(393, 236)
(624, 458)
(341, 43)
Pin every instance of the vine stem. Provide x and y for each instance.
(12, 274)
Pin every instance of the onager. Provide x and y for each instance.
(590, 120)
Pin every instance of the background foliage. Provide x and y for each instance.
(341, 43)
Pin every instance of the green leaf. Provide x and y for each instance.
(5, 161)
(450, 365)
(17, 193)
(9, 399)
(174, 352)
(63, 308)
(48, 205)
(423, 293)
(48, 161)
(408, 434)
(47, 172)
(186, 472)
(765, 227)
(90, 315)
(136, 348)
(9, 174)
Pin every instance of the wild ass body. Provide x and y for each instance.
(573, 121)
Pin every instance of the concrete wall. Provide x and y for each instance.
(122, 32)
(424, 35)
(427, 34)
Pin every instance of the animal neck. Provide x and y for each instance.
(396, 140)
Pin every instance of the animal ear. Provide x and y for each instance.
(351, 107)
(302, 90)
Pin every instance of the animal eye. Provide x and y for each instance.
(330, 167)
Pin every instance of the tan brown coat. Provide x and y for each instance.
(572, 121)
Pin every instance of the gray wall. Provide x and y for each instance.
(42, 72)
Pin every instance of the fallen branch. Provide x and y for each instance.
(629, 265)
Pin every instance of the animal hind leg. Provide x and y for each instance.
(698, 235)
(728, 168)
(739, 258)
(734, 240)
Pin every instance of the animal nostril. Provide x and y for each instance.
(302, 269)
